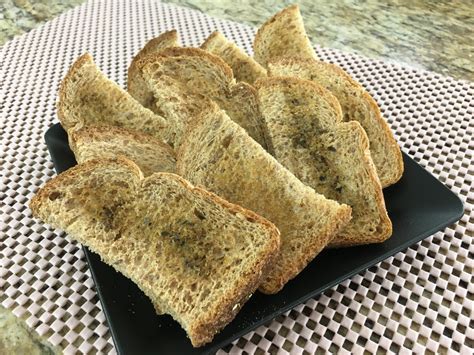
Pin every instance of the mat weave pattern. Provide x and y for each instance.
(420, 300)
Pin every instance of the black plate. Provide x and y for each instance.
(419, 205)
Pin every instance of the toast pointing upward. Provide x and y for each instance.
(245, 68)
(283, 35)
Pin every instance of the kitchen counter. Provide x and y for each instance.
(432, 35)
(17, 338)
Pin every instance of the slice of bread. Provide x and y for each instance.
(283, 35)
(88, 97)
(304, 123)
(218, 154)
(195, 255)
(244, 67)
(185, 81)
(136, 85)
(357, 105)
(150, 154)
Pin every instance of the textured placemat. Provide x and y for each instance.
(419, 300)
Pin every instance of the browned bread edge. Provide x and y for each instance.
(89, 132)
(204, 332)
(134, 67)
(369, 99)
(184, 51)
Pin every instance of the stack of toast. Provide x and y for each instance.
(216, 173)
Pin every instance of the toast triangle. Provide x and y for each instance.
(283, 35)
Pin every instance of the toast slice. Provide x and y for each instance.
(150, 154)
(218, 154)
(136, 85)
(185, 81)
(357, 105)
(244, 67)
(283, 35)
(309, 138)
(88, 97)
(195, 255)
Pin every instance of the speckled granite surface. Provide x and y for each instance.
(432, 35)
(17, 338)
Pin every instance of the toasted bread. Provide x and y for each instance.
(185, 81)
(136, 86)
(283, 35)
(305, 125)
(244, 67)
(357, 105)
(218, 154)
(195, 255)
(150, 154)
(87, 97)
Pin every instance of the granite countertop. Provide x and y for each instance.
(17, 338)
(432, 35)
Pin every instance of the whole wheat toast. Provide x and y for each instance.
(150, 154)
(185, 81)
(88, 97)
(282, 35)
(136, 85)
(195, 255)
(244, 67)
(305, 125)
(357, 105)
(218, 154)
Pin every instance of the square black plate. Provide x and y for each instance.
(419, 205)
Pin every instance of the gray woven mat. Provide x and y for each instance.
(418, 300)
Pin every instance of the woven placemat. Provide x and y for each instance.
(419, 300)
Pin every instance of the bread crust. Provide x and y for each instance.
(396, 171)
(92, 132)
(164, 40)
(277, 81)
(210, 39)
(313, 245)
(208, 325)
(181, 52)
(67, 82)
(244, 67)
(289, 13)
(384, 226)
